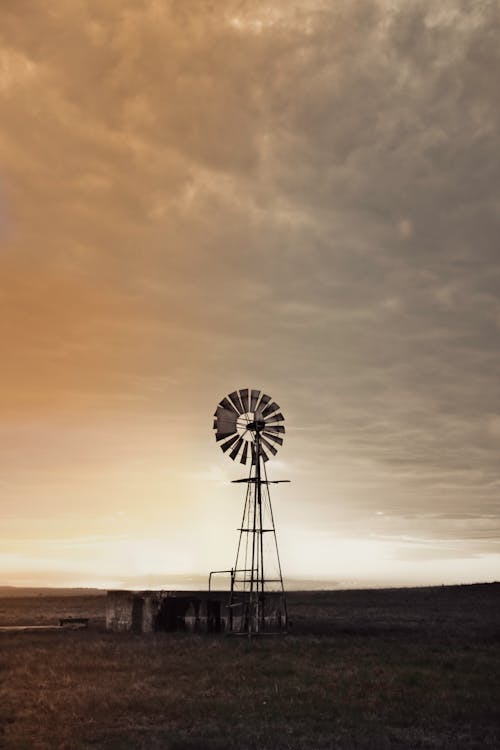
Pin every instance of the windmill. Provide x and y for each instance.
(249, 425)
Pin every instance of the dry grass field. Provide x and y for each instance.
(407, 668)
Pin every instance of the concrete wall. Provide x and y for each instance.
(191, 611)
(119, 610)
(133, 611)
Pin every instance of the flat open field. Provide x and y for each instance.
(401, 668)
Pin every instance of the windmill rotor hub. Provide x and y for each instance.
(243, 423)
(256, 426)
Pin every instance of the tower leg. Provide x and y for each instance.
(257, 601)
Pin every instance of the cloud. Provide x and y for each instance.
(197, 197)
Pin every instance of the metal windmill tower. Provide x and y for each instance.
(249, 425)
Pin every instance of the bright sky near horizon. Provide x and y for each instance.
(299, 197)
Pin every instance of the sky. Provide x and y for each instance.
(198, 196)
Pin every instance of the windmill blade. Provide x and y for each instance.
(273, 437)
(263, 453)
(264, 399)
(236, 448)
(222, 413)
(254, 397)
(225, 447)
(226, 403)
(244, 399)
(268, 445)
(225, 428)
(243, 458)
(223, 435)
(235, 398)
(274, 428)
(270, 409)
(225, 421)
(275, 418)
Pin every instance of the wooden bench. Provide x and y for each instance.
(74, 622)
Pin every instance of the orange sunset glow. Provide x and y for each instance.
(299, 197)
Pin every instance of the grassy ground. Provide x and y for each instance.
(362, 669)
